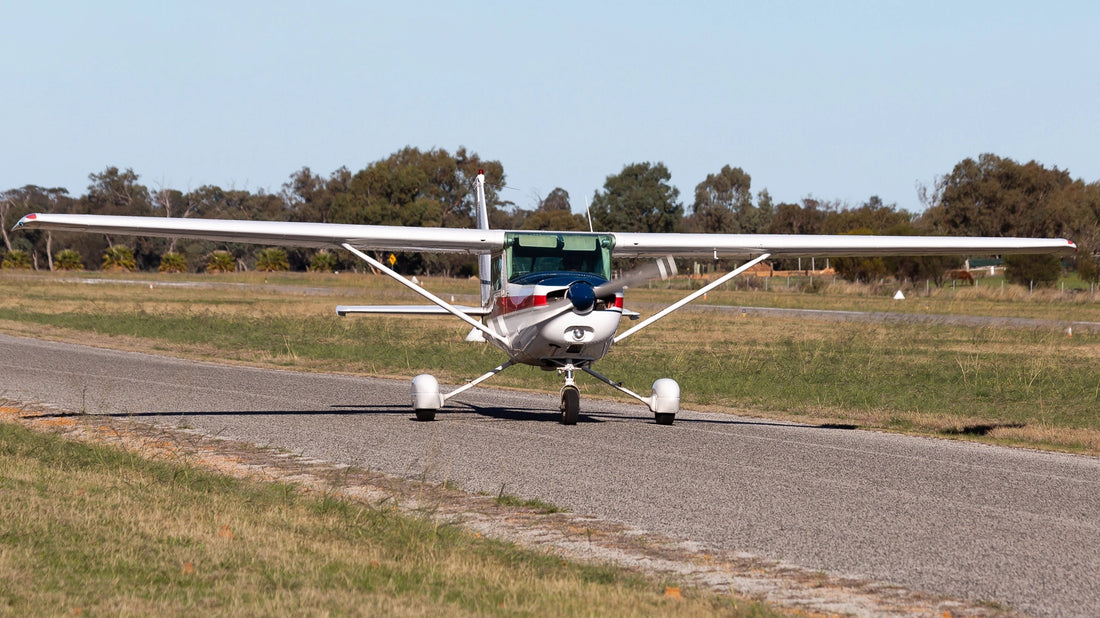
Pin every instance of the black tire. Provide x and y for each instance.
(425, 415)
(665, 418)
(570, 405)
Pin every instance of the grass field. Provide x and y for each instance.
(94, 530)
(1029, 387)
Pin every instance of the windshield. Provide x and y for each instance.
(536, 252)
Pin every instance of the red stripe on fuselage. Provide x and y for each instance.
(508, 304)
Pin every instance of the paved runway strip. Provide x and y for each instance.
(1011, 526)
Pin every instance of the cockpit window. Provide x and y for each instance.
(535, 252)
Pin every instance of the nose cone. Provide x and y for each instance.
(582, 295)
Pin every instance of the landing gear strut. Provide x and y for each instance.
(570, 398)
(664, 403)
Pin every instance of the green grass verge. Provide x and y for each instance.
(92, 530)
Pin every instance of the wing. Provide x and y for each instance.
(434, 239)
(285, 233)
(813, 245)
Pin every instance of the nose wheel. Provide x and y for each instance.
(570, 405)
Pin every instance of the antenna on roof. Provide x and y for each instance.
(588, 213)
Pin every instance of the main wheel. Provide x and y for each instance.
(570, 405)
(664, 418)
(425, 415)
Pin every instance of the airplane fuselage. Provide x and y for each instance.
(544, 303)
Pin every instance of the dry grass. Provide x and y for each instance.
(89, 529)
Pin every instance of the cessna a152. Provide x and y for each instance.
(548, 300)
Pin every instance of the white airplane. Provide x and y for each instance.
(549, 300)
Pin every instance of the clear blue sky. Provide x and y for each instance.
(838, 100)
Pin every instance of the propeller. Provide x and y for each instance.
(583, 295)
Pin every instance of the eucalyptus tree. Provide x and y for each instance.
(638, 199)
(723, 204)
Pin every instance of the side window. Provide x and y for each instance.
(498, 264)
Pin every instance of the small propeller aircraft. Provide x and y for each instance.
(547, 298)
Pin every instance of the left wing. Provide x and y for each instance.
(284, 233)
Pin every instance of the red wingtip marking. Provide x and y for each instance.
(32, 216)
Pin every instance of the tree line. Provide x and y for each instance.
(990, 196)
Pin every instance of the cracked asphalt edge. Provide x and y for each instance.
(567, 535)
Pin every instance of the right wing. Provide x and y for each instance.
(283, 233)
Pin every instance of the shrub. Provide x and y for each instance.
(272, 260)
(67, 259)
(323, 262)
(172, 262)
(221, 262)
(1087, 267)
(119, 258)
(861, 269)
(16, 259)
(1037, 269)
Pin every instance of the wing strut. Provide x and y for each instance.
(648, 401)
(426, 294)
(690, 297)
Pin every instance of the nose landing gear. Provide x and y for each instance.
(570, 397)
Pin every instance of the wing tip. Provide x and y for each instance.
(29, 217)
